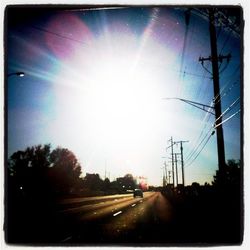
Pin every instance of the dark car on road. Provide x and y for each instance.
(138, 193)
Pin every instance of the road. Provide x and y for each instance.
(112, 219)
(124, 220)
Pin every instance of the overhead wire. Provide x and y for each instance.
(201, 149)
(197, 146)
(194, 151)
(228, 109)
(192, 74)
(207, 117)
(198, 93)
(226, 41)
(225, 92)
(187, 21)
(230, 117)
(57, 34)
(226, 86)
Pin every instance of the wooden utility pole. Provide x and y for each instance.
(172, 153)
(217, 101)
(182, 164)
(166, 173)
(169, 176)
(182, 161)
(176, 168)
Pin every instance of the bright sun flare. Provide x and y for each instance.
(118, 90)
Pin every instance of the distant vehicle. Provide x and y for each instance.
(138, 192)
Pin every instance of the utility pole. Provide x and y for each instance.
(182, 161)
(169, 176)
(163, 179)
(172, 153)
(217, 101)
(166, 173)
(182, 164)
(176, 168)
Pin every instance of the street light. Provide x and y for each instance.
(20, 74)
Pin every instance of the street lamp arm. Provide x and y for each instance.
(198, 105)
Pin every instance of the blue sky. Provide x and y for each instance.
(95, 82)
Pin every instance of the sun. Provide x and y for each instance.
(110, 94)
(121, 101)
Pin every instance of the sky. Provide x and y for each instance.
(95, 83)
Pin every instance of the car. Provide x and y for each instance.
(138, 193)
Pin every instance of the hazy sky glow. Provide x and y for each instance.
(95, 82)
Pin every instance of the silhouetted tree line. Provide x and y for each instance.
(230, 185)
(232, 175)
(92, 183)
(39, 172)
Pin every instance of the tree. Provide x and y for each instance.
(232, 174)
(28, 169)
(65, 170)
(126, 183)
(39, 172)
(93, 182)
(106, 184)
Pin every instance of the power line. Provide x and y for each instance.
(197, 147)
(57, 34)
(202, 90)
(230, 117)
(217, 125)
(187, 20)
(201, 148)
(229, 90)
(225, 21)
(228, 109)
(205, 121)
(226, 41)
(225, 87)
(193, 74)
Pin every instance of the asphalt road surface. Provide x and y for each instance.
(124, 220)
(114, 219)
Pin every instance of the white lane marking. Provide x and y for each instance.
(133, 205)
(68, 238)
(117, 213)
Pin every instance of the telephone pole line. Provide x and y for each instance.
(214, 58)
(182, 163)
(175, 180)
(169, 176)
(176, 167)
(165, 168)
(172, 153)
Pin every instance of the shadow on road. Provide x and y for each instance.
(206, 217)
